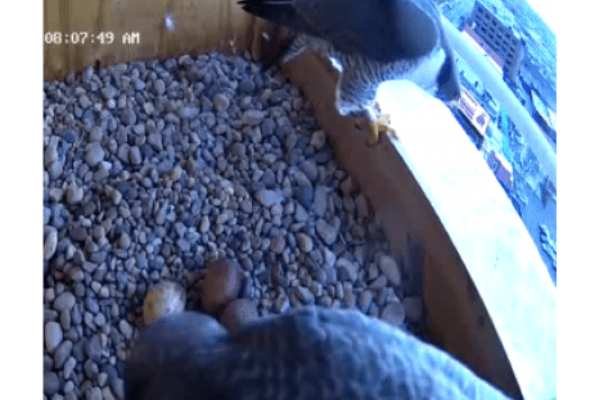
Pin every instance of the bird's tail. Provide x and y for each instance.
(285, 47)
(276, 11)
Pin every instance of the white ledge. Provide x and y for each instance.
(490, 238)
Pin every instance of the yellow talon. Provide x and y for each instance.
(381, 124)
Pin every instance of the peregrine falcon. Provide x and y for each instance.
(308, 353)
(372, 41)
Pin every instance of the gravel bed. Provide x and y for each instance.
(153, 168)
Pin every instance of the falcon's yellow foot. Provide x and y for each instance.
(381, 124)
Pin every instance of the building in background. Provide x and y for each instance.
(472, 117)
(491, 105)
(471, 82)
(495, 27)
(479, 43)
(475, 87)
(548, 192)
(544, 116)
(502, 169)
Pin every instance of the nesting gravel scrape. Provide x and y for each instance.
(151, 169)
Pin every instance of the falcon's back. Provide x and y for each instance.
(381, 30)
(306, 354)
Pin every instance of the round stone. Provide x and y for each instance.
(94, 155)
(53, 335)
(221, 285)
(221, 102)
(126, 329)
(51, 383)
(305, 243)
(239, 314)
(394, 314)
(390, 269)
(65, 301)
(74, 194)
(277, 245)
(165, 298)
(50, 242)
(414, 308)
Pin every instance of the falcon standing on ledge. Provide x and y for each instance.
(373, 41)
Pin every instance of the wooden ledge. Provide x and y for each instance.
(488, 296)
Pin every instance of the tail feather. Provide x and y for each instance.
(276, 11)
(280, 54)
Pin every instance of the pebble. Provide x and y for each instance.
(268, 198)
(364, 300)
(394, 314)
(346, 269)
(124, 241)
(309, 168)
(94, 393)
(326, 232)
(305, 243)
(304, 295)
(318, 139)
(155, 140)
(51, 383)
(247, 86)
(53, 335)
(47, 215)
(93, 348)
(118, 387)
(277, 245)
(239, 314)
(65, 301)
(94, 155)
(413, 306)
(69, 367)
(252, 117)
(164, 298)
(300, 214)
(320, 200)
(50, 242)
(91, 369)
(372, 272)
(125, 329)
(188, 112)
(135, 155)
(325, 301)
(100, 319)
(221, 285)
(329, 258)
(282, 304)
(305, 195)
(159, 86)
(204, 224)
(220, 102)
(390, 269)
(378, 283)
(74, 194)
(62, 353)
(108, 92)
(49, 295)
(102, 379)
